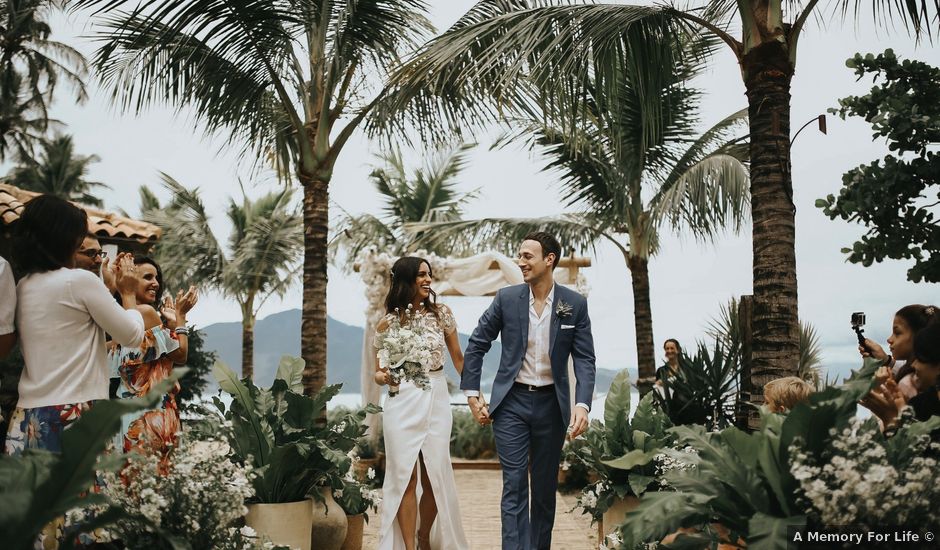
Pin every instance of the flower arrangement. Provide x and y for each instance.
(199, 499)
(356, 497)
(864, 479)
(405, 350)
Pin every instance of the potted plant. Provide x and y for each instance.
(275, 431)
(368, 459)
(620, 453)
(356, 500)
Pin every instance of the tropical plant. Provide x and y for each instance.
(888, 196)
(289, 81)
(39, 486)
(506, 57)
(58, 171)
(276, 432)
(743, 481)
(726, 328)
(264, 245)
(468, 439)
(429, 195)
(621, 452)
(704, 389)
(31, 66)
(628, 173)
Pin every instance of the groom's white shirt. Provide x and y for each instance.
(537, 364)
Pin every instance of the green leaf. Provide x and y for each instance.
(770, 533)
(632, 459)
(639, 483)
(247, 422)
(291, 370)
(617, 403)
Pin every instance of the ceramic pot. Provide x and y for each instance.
(286, 524)
(329, 523)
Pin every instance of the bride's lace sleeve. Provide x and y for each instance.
(380, 331)
(448, 323)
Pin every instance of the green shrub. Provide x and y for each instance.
(469, 439)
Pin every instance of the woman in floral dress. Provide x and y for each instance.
(165, 344)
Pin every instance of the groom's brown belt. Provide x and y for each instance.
(530, 387)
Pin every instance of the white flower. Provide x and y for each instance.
(370, 473)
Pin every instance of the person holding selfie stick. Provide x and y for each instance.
(908, 321)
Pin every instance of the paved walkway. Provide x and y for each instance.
(479, 492)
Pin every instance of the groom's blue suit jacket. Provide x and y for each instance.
(508, 317)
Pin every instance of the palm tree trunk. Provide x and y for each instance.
(776, 331)
(248, 347)
(313, 310)
(643, 322)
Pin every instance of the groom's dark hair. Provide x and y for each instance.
(549, 244)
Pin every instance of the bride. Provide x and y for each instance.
(417, 424)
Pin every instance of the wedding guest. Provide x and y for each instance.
(7, 308)
(138, 368)
(62, 315)
(908, 321)
(89, 255)
(673, 350)
(782, 394)
(886, 401)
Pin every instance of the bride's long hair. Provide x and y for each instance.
(404, 274)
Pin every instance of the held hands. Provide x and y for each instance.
(579, 423)
(480, 410)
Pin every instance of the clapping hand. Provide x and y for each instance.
(886, 402)
(174, 311)
(124, 273)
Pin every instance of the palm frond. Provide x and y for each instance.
(509, 58)
(188, 252)
(468, 237)
(810, 355)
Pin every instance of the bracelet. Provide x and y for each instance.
(182, 330)
(888, 360)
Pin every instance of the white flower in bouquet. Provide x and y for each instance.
(406, 351)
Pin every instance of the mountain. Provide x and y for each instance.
(279, 334)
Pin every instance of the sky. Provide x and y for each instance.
(690, 281)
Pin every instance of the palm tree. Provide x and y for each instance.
(288, 81)
(429, 195)
(31, 66)
(507, 56)
(58, 171)
(265, 244)
(626, 186)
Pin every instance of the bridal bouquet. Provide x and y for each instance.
(405, 350)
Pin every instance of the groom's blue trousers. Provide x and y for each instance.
(529, 430)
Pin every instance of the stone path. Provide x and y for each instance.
(479, 492)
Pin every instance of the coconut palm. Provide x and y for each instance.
(287, 81)
(428, 195)
(58, 171)
(626, 186)
(31, 66)
(264, 248)
(508, 56)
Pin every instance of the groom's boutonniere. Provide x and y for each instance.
(563, 309)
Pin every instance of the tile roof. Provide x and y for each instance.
(103, 224)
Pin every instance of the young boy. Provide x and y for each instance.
(783, 394)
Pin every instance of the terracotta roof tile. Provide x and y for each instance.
(104, 224)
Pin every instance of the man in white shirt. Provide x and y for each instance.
(7, 308)
(541, 325)
(89, 255)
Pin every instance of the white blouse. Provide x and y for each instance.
(61, 318)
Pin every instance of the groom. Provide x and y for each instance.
(541, 325)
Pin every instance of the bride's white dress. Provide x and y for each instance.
(416, 421)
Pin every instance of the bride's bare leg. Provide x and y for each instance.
(408, 511)
(428, 506)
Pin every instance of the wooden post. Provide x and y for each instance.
(747, 417)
